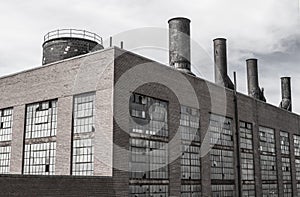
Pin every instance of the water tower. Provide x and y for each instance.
(66, 43)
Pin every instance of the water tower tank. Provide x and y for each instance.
(66, 43)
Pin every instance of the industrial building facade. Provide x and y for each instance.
(83, 127)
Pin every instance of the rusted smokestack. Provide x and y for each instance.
(180, 44)
(220, 57)
(286, 93)
(252, 79)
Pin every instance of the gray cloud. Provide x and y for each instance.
(268, 30)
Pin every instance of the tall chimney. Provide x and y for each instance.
(180, 44)
(286, 93)
(252, 79)
(220, 58)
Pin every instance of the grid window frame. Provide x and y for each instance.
(222, 190)
(221, 154)
(144, 190)
(155, 155)
(40, 138)
(6, 122)
(298, 189)
(247, 158)
(222, 164)
(221, 131)
(83, 157)
(248, 190)
(296, 145)
(84, 111)
(246, 136)
(269, 189)
(153, 116)
(286, 169)
(39, 158)
(190, 143)
(287, 190)
(148, 158)
(284, 143)
(191, 190)
(5, 155)
(268, 161)
(267, 140)
(41, 119)
(297, 168)
(268, 167)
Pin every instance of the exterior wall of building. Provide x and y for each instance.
(61, 80)
(27, 186)
(211, 100)
(114, 75)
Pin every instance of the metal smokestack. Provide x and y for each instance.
(286, 93)
(220, 58)
(180, 44)
(252, 79)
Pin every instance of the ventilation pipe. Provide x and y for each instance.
(286, 93)
(252, 79)
(180, 44)
(220, 58)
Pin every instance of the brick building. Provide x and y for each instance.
(108, 122)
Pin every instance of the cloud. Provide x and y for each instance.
(268, 30)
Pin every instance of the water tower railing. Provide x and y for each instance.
(73, 33)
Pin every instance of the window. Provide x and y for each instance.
(39, 159)
(267, 140)
(268, 161)
(297, 165)
(152, 118)
(190, 143)
(83, 134)
(248, 190)
(41, 119)
(223, 190)
(247, 159)
(191, 190)
(5, 152)
(148, 158)
(222, 164)
(297, 160)
(269, 190)
(284, 143)
(40, 138)
(246, 137)
(268, 167)
(286, 163)
(298, 189)
(148, 190)
(287, 190)
(6, 120)
(247, 167)
(190, 162)
(220, 129)
(297, 145)
(286, 169)
(221, 155)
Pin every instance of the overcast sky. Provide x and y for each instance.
(265, 29)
